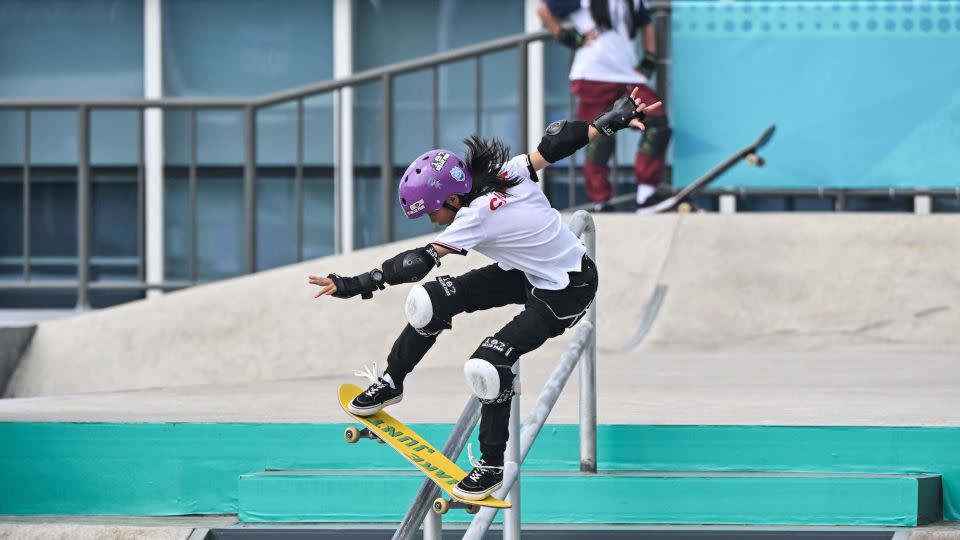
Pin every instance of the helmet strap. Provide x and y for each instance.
(450, 207)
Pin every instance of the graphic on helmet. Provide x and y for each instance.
(430, 179)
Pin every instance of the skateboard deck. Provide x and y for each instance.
(748, 152)
(412, 446)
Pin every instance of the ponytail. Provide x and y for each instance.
(485, 159)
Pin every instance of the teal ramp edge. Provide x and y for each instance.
(620, 497)
(177, 469)
(862, 93)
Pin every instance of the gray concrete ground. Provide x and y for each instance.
(49, 531)
(767, 319)
(646, 387)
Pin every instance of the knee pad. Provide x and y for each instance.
(489, 372)
(419, 307)
(656, 137)
(429, 307)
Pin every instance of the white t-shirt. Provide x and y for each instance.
(520, 231)
(612, 57)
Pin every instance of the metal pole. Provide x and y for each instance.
(432, 527)
(581, 223)
(141, 198)
(338, 172)
(436, 106)
(298, 182)
(511, 516)
(534, 422)
(386, 165)
(192, 189)
(572, 163)
(523, 116)
(588, 376)
(83, 208)
(478, 94)
(250, 189)
(428, 489)
(26, 194)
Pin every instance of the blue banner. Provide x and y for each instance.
(865, 94)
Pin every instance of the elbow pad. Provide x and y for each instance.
(562, 139)
(410, 266)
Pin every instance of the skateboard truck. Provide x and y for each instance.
(441, 505)
(352, 435)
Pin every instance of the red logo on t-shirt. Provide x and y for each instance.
(497, 201)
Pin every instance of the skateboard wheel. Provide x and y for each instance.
(441, 506)
(754, 159)
(684, 208)
(351, 434)
(473, 508)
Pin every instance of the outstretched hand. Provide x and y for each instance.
(641, 108)
(327, 286)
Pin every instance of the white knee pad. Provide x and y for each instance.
(482, 378)
(419, 308)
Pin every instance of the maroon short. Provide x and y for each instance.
(593, 97)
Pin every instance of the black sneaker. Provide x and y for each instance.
(379, 395)
(482, 481)
(652, 200)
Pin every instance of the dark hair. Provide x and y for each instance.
(484, 160)
(600, 11)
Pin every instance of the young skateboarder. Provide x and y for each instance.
(489, 203)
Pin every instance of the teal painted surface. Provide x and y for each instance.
(862, 93)
(623, 498)
(170, 469)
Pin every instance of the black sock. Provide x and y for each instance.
(494, 460)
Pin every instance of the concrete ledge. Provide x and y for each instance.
(612, 497)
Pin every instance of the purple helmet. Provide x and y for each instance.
(430, 179)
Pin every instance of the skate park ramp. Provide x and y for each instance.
(762, 319)
(799, 367)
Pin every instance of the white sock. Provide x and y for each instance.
(644, 192)
(389, 380)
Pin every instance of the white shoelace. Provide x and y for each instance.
(477, 466)
(371, 375)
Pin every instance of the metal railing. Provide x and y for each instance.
(582, 348)
(250, 107)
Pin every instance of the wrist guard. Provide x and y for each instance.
(363, 284)
(563, 138)
(410, 266)
(648, 65)
(568, 37)
(618, 116)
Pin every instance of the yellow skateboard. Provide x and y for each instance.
(386, 429)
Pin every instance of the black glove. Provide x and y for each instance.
(648, 65)
(410, 266)
(568, 37)
(363, 284)
(618, 116)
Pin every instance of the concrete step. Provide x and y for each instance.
(612, 497)
(173, 468)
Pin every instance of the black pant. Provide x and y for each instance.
(546, 314)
